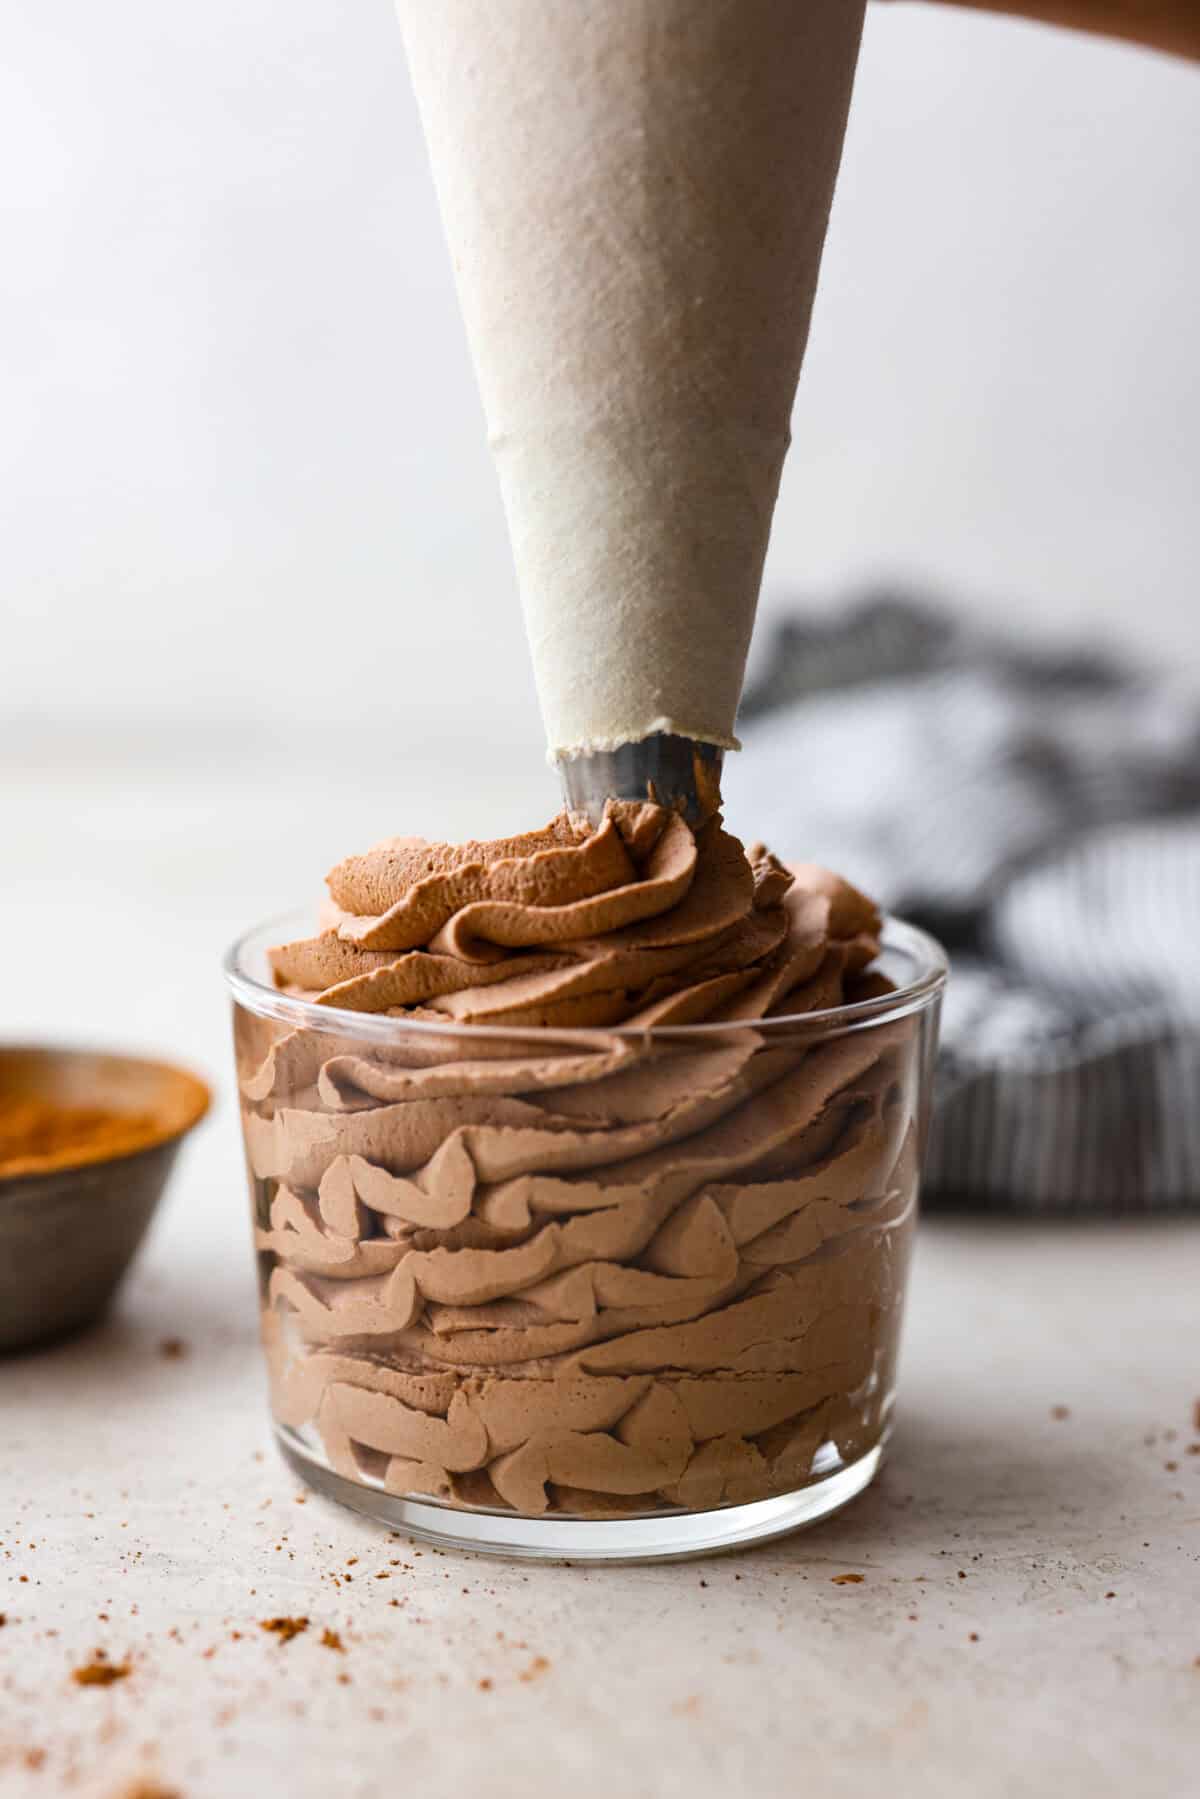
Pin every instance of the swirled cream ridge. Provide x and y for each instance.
(579, 1268)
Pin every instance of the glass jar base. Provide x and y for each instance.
(655, 1537)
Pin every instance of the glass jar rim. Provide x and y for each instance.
(898, 939)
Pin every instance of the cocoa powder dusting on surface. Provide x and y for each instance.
(331, 1640)
(848, 1580)
(284, 1628)
(36, 1136)
(99, 1672)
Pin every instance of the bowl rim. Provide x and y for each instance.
(200, 1103)
(897, 936)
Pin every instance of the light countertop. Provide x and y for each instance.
(1027, 1618)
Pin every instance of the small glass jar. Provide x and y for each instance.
(605, 1295)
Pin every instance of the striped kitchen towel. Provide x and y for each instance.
(1040, 813)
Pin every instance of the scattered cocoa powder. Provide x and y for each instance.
(99, 1672)
(848, 1580)
(331, 1640)
(537, 1666)
(284, 1628)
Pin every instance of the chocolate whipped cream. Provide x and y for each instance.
(538, 1258)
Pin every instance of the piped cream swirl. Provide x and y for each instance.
(640, 922)
(594, 1271)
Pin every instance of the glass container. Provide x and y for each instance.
(594, 1294)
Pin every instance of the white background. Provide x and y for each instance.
(242, 463)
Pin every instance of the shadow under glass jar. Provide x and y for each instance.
(610, 1295)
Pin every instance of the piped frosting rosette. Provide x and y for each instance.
(567, 1262)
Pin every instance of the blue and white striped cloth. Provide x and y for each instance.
(1039, 812)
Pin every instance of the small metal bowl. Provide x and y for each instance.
(69, 1231)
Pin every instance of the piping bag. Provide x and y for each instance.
(635, 194)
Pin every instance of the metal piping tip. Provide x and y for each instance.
(672, 771)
